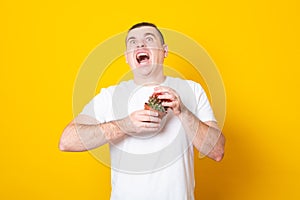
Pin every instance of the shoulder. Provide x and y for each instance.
(179, 83)
(124, 85)
(107, 96)
(114, 93)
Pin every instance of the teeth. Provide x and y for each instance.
(142, 56)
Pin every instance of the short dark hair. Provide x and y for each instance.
(141, 24)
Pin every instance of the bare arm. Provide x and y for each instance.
(206, 137)
(85, 133)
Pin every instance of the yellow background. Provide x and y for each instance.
(255, 45)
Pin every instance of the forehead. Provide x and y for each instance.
(142, 31)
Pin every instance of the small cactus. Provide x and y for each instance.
(155, 104)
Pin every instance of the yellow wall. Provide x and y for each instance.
(255, 45)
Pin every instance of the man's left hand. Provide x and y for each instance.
(170, 98)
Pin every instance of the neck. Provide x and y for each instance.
(157, 79)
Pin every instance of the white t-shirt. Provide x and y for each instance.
(157, 166)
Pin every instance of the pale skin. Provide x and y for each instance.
(85, 133)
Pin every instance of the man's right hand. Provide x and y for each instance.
(140, 121)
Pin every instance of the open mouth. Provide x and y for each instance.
(142, 57)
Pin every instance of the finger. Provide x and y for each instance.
(165, 91)
(169, 109)
(150, 130)
(171, 104)
(148, 113)
(149, 125)
(146, 125)
(167, 96)
(161, 88)
(149, 118)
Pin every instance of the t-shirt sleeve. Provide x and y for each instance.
(203, 109)
(99, 106)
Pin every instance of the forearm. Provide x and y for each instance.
(206, 137)
(85, 133)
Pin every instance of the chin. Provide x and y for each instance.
(145, 71)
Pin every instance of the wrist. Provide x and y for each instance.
(183, 112)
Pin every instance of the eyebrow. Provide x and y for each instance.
(146, 34)
(130, 38)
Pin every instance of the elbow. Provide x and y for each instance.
(63, 146)
(64, 143)
(219, 157)
(67, 146)
(216, 154)
(69, 141)
(220, 153)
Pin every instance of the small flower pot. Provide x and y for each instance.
(160, 114)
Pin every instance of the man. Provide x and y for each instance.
(151, 158)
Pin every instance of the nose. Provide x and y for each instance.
(140, 44)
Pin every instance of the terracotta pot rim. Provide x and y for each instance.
(160, 114)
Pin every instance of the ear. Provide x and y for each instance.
(165, 47)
